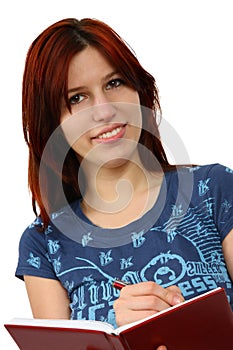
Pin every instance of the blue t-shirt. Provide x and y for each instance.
(177, 242)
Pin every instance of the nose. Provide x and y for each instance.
(103, 109)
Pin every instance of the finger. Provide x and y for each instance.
(142, 288)
(171, 296)
(174, 289)
(127, 317)
(138, 303)
(176, 295)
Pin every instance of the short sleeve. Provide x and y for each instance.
(33, 257)
(220, 182)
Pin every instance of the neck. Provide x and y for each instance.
(111, 190)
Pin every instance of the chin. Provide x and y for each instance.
(115, 163)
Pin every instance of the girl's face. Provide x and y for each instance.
(105, 124)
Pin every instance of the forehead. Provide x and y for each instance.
(89, 63)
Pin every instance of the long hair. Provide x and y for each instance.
(44, 88)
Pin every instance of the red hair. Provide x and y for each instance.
(45, 87)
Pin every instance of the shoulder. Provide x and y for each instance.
(215, 171)
(62, 223)
(213, 180)
(34, 234)
(37, 230)
(212, 169)
(215, 175)
(203, 179)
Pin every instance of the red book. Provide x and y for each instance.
(204, 322)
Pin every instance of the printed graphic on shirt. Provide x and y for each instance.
(34, 261)
(94, 296)
(183, 250)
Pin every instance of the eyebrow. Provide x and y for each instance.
(106, 77)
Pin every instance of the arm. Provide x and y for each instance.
(48, 298)
(227, 247)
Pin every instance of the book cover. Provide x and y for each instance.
(204, 323)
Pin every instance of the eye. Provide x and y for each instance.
(76, 99)
(114, 83)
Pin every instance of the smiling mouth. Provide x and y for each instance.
(112, 135)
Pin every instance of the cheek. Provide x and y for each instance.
(81, 146)
(75, 128)
(133, 114)
(133, 97)
(79, 143)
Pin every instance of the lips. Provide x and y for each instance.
(111, 133)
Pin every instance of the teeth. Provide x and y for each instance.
(109, 134)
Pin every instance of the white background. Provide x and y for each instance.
(185, 44)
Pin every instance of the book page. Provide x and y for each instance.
(64, 323)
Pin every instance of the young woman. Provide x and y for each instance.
(108, 204)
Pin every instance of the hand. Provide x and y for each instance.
(140, 300)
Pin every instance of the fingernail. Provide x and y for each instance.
(177, 299)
